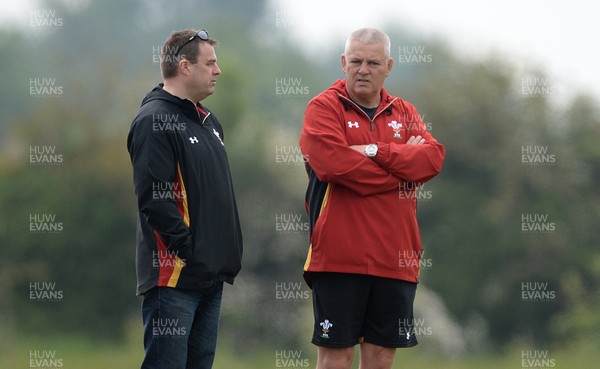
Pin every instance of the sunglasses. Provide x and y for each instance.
(202, 34)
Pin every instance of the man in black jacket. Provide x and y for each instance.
(189, 239)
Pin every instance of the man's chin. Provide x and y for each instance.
(363, 91)
(210, 90)
(363, 87)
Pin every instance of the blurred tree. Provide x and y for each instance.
(473, 229)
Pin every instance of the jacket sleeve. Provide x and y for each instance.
(154, 170)
(324, 146)
(412, 163)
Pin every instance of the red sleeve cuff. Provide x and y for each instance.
(383, 153)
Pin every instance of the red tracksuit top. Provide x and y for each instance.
(362, 210)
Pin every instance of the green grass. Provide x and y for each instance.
(76, 352)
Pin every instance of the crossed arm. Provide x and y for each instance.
(324, 143)
(418, 140)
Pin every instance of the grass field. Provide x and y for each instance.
(73, 352)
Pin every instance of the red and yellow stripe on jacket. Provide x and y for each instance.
(170, 265)
(323, 205)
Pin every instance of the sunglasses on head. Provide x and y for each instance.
(202, 34)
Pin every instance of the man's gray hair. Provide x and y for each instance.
(369, 36)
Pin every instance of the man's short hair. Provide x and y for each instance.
(171, 54)
(369, 36)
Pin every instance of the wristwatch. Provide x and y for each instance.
(371, 150)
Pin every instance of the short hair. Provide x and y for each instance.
(370, 36)
(171, 53)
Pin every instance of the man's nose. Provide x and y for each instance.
(363, 68)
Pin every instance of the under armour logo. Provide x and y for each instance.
(352, 125)
(193, 140)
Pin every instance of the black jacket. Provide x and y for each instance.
(189, 234)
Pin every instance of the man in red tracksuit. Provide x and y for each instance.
(366, 152)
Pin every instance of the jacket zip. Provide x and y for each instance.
(202, 120)
(372, 121)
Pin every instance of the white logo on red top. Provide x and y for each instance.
(396, 127)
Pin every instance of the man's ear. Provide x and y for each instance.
(390, 64)
(183, 67)
(343, 62)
